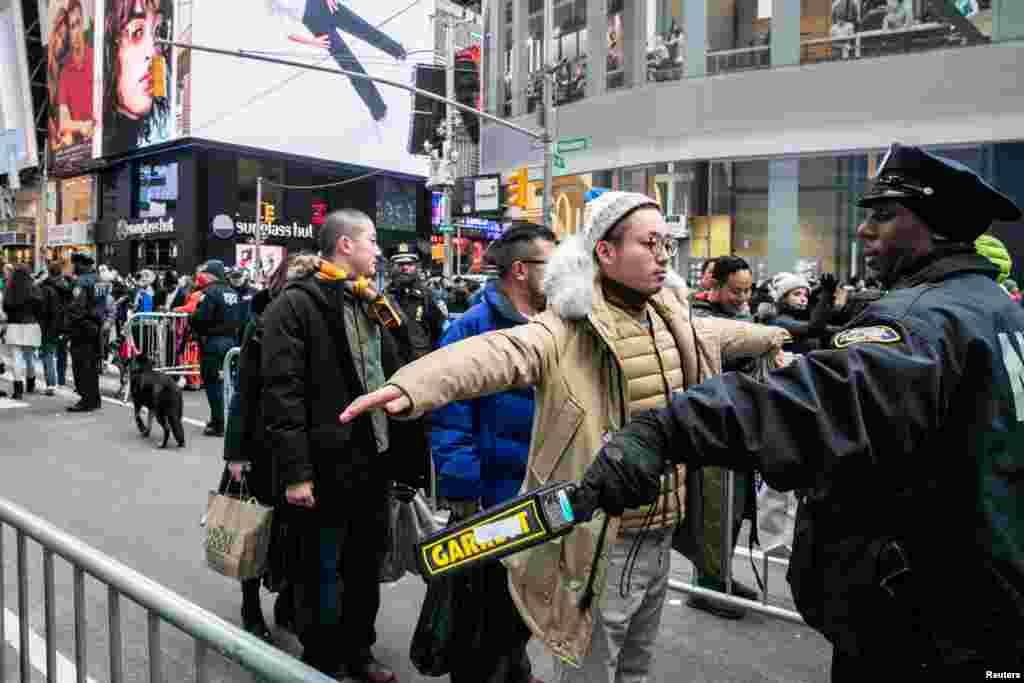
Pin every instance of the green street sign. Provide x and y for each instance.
(559, 162)
(445, 229)
(573, 145)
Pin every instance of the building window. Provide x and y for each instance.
(507, 79)
(569, 48)
(738, 35)
(535, 66)
(856, 29)
(666, 42)
(616, 72)
(76, 199)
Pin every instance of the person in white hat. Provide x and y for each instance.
(616, 339)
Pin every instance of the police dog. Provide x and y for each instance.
(161, 395)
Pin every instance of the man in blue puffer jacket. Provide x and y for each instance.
(480, 447)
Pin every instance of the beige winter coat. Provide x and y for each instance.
(566, 354)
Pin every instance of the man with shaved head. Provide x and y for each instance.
(321, 349)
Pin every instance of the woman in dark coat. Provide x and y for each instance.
(245, 455)
(23, 334)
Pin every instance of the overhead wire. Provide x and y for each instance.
(302, 72)
(346, 181)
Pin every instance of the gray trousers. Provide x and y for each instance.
(625, 628)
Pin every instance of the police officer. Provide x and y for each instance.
(82, 324)
(424, 317)
(218, 322)
(907, 434)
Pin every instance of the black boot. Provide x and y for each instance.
(284, 609)
(252, 612)
(214, 428)
(30, 385)
(19, 391)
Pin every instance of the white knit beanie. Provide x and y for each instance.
(784, 283)
(602, 213)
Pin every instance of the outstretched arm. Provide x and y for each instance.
(869, 405)
(478, 366)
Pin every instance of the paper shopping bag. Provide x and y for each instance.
(237, 536)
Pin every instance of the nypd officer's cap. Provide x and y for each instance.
(954, 201)
(404, 254)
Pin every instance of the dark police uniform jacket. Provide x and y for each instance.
(83, 317)
(220, 318)
(424, 320)
(908, 433)
(420, 332)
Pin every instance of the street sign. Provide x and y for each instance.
(573, 145)
(559, 162)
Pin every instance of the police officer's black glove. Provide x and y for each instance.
(599, 488)
(824, 308)
(828, 283)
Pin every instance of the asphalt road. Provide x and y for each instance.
(96, 478)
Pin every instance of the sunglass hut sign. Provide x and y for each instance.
(225, 228)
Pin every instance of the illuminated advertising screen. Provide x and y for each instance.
(158, 189)
(72, 67)
(296, 111)
(136, 83)
(112, 85)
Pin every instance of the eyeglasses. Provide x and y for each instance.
(664, 243)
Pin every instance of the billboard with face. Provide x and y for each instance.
(71, 66)
(314, 114)
(137, 83)
(112, 86)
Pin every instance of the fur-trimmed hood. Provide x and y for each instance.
(302, 265)
(571, 276)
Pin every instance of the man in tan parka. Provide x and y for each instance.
(616, 339)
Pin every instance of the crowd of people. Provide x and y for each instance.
(878, 419)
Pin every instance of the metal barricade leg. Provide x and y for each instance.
(114, 613)
(80, 643)
(49, 609)
(23, 626)
(155, 660)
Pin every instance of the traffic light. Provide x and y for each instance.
(467, 88)
(518, 184)
(427, 114)
(268, 213)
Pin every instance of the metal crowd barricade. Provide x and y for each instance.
(762, 607)
(208, 631)
(162, 338)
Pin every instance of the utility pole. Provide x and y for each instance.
(548, 103)
(259, 229)
(44, 206)
(448, 158)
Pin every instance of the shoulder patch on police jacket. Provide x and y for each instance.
(875, 334)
